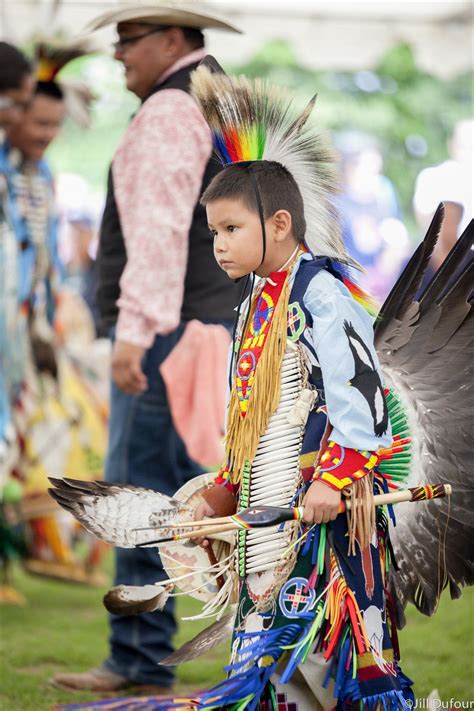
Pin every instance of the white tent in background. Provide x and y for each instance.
(325, 34)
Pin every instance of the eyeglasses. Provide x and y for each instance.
(125, 42)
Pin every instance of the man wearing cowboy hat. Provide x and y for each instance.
(156, 272)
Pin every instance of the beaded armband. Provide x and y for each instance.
(340, 466)
(223, 479)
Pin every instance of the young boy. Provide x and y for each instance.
(306, 418)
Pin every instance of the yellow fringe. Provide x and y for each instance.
(243, 433)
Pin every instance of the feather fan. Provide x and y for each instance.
(120, 514)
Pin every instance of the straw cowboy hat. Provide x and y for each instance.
(171, 14)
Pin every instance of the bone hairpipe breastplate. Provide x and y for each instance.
(275, 477)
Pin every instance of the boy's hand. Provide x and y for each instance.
(321, 503)
(204, 510)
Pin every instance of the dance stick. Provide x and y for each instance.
(215, 563)
(260, 517)
(419, 493)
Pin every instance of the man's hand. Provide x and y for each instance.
(127, 368)
(321, 503)
(204, 510)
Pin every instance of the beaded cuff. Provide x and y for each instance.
(340, 466)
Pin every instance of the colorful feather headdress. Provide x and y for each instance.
(251, 120)
(51, 56)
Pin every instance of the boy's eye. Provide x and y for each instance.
(213, 233)
(231, 228)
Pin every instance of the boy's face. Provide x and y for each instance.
(41, 124)
(237, 232)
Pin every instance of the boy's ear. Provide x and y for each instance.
(282, 224)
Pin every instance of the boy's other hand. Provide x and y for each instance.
(127, 368)
(321, 503)
(204, 510)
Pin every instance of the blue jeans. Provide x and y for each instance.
(145, 450)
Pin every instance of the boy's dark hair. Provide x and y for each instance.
(277, 187)
(13, 67)
(50, 89)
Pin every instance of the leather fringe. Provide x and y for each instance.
(361, 517)
(243, 433)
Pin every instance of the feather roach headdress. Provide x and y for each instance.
(251, 120)
(52, 56)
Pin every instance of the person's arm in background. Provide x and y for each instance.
(448, 234)
(157, 174)
(435, 185)
(220, 498)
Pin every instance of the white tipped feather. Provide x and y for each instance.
(134, 599)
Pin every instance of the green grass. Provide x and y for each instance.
(64, 627)
(438, 652)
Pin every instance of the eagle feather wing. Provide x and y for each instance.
(425, 346)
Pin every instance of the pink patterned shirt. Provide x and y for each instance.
(157, 171)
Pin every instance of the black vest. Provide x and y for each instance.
(209, 294)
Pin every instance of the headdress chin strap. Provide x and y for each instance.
(260, 211)
(247, 166)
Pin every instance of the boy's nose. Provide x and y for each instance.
(219, 244)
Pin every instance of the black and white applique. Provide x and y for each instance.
(367, 380)
(306, 341)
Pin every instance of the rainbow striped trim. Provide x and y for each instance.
(361, 296)
(298, 513)
(238, 522)
(237, 145)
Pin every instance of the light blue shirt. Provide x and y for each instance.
(343, 339)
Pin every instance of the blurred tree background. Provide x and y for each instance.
(408, 112)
